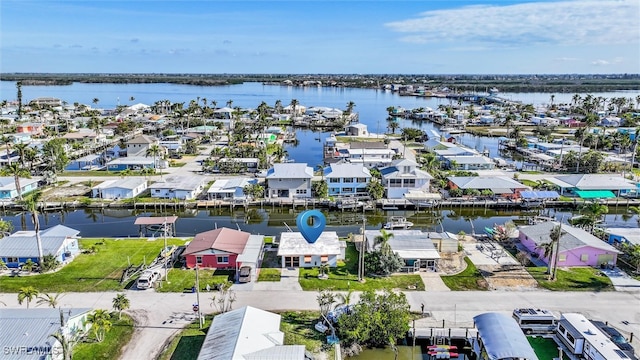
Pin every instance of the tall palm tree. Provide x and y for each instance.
(555, 235)
(96, 101)
(294, 103)
(100, 320)
(49, 300)
(21, 149)
(27, 293)
(8, 142)
(383, 241)
(120, 303)
(31, 203)
(154, 150)
(229, 103)
(350, 106)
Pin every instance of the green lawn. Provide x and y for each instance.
(345, 277)
(183, 280)
(545, 348)
(267, 274)
(572, 279)
(469, 279)
(100, 271)
(186, 345)
(297, 327)
(111, 347)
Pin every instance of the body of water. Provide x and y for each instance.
(272, 221)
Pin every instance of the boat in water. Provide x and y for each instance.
(398, 223)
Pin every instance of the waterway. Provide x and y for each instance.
(272, 221)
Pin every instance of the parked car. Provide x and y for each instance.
(245, 274)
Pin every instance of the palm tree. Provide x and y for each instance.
(21, 148)
(555, 235)
(27, 293)
(383, 241)
(344, 298)
(294, 103)
(8, 142)
(154, 150)
(31, 203)
(49, 300)
(17, 171)
(549, 250)
(120, 303)
(350, 106)
(101, 324)
(96, 101)
(229, 103)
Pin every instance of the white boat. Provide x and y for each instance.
(398, 222)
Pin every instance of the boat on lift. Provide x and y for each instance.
(397, 223)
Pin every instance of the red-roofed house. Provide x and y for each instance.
(218, 249)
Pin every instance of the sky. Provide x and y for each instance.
(328, 37)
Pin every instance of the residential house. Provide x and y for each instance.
(9, 191)
(499, 185)
(347, 179)
(289, 181)
(500, 338)
(46, 102)
(630, 236)
(83, 135)
(132, 163)
(476, 162)
(594, 185)
(295, 251)
(402, 176)
(178, 187)
(576, 247)
(27, 333)
(357, 129)
(89, 162)
(234, 336)
(59, 241)
(230, 189)
(223, 248)
(246, 164)
(415, 247)
(117, 189)
(139, 145)
(35, 129)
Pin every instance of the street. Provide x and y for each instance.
(160, 315)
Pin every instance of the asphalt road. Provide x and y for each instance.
(161, 315)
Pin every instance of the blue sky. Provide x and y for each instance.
(366, 37)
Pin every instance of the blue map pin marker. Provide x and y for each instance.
(311, 233)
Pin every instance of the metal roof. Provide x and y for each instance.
(409, 244)
(593, 182)
(155, 220)
(502, 337)
(293, 243)
(223, 239)
(252, 250)
(486, 182)
(290, 171)
(32, 328)
(235, 334)
(595, 194)
(128, 183)
(23, 243)
(221, 185)
(189, 183)
(346, 170)
(536, 195)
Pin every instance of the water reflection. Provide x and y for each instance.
(274, 220)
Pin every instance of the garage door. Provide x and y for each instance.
(605, 259)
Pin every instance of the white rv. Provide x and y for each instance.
(536, 321)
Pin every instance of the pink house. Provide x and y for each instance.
(218, 249)
(577, 247)
(31, 128)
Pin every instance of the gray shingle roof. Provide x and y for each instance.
(572, 237)
(188, 183)
(486, 182)
(593, 182)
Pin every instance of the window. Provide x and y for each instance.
(157, 190)
(584, 257)
(222, 259)
(561, 329)
(12, 259)
(301, 191)
(347, 190)
(395, 182)
(348, 180)
(334, 180)
(409, 182)
(571, 339)
(562, 257)
(198, 260)
(307, 259)
(361, 180)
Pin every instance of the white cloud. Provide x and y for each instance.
(565, 22)
(600, 62)
(566, 59)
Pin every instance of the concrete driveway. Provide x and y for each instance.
(621, 280)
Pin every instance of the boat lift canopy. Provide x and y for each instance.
(539, 195)
(151, 223)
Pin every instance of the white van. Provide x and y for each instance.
(146, 280)
(536, 321)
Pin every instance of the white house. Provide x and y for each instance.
(295, 251)
(404, 175)
(27, 333)
(59, 241)
(139, 145)
(229, 189)
(289, 181)
(234, 335)
(178, 187)
(119, 188)
(346, 179)
(358, 129)
(415, 247)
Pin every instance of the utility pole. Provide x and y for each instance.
(198, 296)
(362, 249)
(166, 251)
